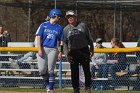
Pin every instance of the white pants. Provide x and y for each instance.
(46, 64)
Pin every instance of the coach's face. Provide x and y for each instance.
(71, 19)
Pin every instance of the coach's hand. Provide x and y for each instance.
(91, 54)
(69, 59)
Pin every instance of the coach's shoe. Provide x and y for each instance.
(76, 90)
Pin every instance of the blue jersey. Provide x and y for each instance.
(50, 34)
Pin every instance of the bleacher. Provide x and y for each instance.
(29, 70)
(30, 76)
(126, 81)
(32, 73)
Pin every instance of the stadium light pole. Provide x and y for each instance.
(76, 8)
(60, 63)
(115, 19)
(54, 4)
(29, 15)
(121, 25)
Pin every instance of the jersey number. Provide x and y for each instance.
(50, 36)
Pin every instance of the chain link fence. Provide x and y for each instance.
(15, 73)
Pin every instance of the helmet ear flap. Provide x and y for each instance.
(53, 16)
(53, 12)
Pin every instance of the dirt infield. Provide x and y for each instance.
(18, 92)
(25, 92)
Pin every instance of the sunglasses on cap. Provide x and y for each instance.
(68, 16)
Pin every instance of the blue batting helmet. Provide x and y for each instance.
(54, 11)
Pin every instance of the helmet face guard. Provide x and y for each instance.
(54, 12)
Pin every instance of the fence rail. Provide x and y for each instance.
(28, 75)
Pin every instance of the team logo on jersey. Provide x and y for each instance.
(80, 29)
(74, 31)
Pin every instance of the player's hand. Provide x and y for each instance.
(60, 55)
(40, 53)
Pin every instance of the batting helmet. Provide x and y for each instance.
(54, 11)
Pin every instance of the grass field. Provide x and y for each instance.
(32, 90)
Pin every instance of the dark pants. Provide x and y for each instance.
(102, 71)
(82, 57)
(116, 68)
(137, 84)
(93, 70)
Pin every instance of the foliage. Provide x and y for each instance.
(100, 20)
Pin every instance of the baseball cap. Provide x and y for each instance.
(99, 40)
(70, 12)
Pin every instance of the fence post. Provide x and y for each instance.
(60, 73)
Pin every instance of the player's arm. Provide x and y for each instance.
(39, 40)
(39, 35)
(61, 43)
(60, 49)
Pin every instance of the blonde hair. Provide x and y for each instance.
(117, 42)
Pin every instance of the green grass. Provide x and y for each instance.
(63, 90)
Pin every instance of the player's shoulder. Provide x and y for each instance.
(59, 26)
(44, 23)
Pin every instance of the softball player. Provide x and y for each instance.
(48, 35)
